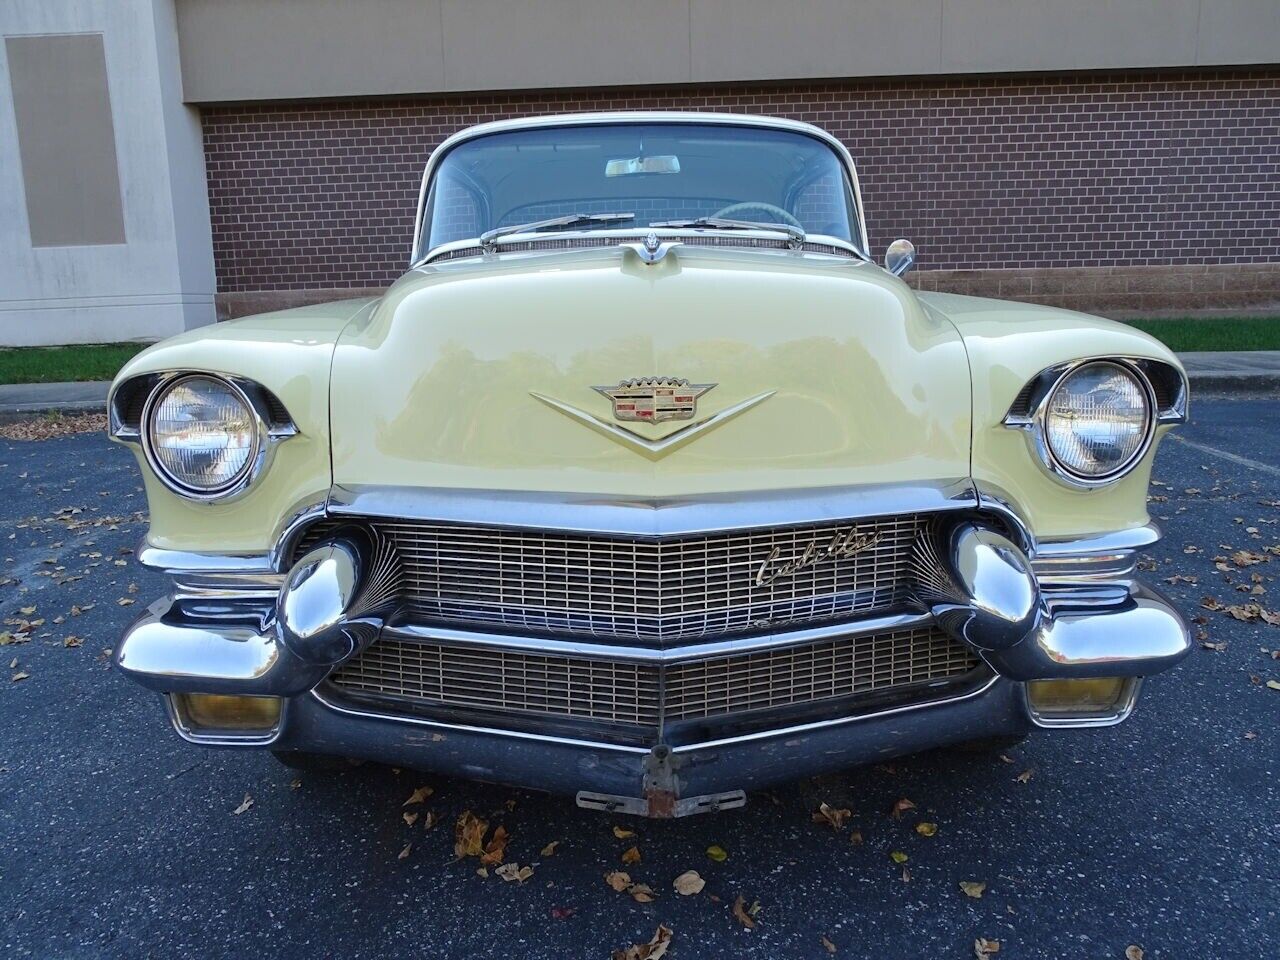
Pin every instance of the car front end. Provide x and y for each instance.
(651, 517)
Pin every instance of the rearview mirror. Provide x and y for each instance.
(628, 168)
(899, 257)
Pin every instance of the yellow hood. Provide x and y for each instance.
(482, 376)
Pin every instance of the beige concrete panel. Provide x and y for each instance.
(989, 35)
(766, 39)
(283, 49)
(1239, 31)
(497, 44)
(66, 139)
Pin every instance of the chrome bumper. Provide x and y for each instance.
(1074, 611)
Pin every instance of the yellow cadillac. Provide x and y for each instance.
(647, 484)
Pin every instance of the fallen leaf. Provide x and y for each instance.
(926, 829)
(1273, 684)
(20, 675)
(73, 641)
(655, 949)
(622, 833)
(1025, 776)
(496, 849)
(631, 855)
(430, 820)
(618, 880)
(125, 601)
(983, 948)
(741, 914)
(550, 848)
(827, 945)
(404, 854)
(901, 807)
(718, 854)
(897, 856)
(834, 818)
(642, 893)
(1133, 952)
(563, 913)
(26, 611)
(1251, 735)
(245, 804)
(410, 818)
(855, 838)
(689, 883)
(513, 872)
(295, 784)
(468, 835)
(973, 888)
(418, 796)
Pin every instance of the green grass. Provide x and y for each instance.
(1227, 333)
(96, 361)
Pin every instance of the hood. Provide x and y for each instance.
(808, 372)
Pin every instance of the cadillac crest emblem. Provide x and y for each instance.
(655, 399)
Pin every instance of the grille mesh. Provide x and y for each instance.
(651, 590)
(692, 240)
(432, 674)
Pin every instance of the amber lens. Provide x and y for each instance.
(212, 711)
(1076, 696)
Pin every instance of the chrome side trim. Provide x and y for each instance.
(649, 517)
(1135, 538)
(693, 651)
(417, 255)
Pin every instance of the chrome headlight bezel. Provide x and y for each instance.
(1029, 413)
(131, 408)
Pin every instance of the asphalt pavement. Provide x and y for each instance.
(117, 839)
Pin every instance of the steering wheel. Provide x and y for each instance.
(776, 214)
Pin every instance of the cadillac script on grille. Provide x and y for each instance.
(655, 399)
(842, 544)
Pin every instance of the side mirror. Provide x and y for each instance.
(899, 257)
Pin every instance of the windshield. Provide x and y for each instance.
(650, 172)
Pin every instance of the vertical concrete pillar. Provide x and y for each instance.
(104, 214)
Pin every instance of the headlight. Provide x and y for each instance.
(1097, 421)
(201, 435)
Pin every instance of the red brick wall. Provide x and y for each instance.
(1078, 171)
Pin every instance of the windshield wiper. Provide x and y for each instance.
(489, 239)
(794, 234)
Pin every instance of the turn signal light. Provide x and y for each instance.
(203, 712)
(1064, 698)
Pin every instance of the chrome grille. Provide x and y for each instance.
(493, 679)
(649, 589)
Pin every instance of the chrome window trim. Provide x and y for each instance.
(621, 515)
(1044, 386)
(625, 237)
(417, 256)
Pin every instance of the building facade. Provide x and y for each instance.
(1117, 156)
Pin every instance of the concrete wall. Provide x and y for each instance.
(234, 50)
(66, 278)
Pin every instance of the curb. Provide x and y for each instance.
(10, 412)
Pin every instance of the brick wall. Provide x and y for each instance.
(1122, 172)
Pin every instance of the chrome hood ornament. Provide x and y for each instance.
(655, 399)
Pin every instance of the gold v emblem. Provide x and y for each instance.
(653, 449)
